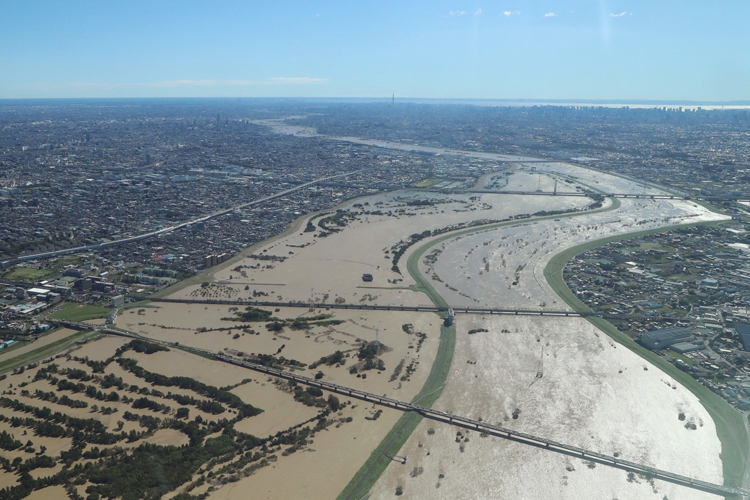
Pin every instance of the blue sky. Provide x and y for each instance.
(565, 49)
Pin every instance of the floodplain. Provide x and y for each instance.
(560, 378)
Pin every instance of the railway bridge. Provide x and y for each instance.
(468, 423)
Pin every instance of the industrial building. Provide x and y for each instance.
(743, 330)
(661, 339)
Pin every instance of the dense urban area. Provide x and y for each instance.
(685, 294)
(83, 173)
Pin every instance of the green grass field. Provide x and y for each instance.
(427, 183)
(80, 312)
(730, 426)
(27, 274)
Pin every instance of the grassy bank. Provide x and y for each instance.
(41, 353)
(380, 458)
(730, 426)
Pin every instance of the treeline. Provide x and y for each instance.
(47, 423)
(211, 392)
(337, 358)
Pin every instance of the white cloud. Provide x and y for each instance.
(550, 14)
(478, 12)
(509, 13)
(618, 15)
(457, 13)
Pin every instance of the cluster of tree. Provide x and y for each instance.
(150, 404)
(339, 219)
(90, 390)
(150, 471)
(303, 323)
(140, 346)
(337, 358)
(8, 443)
(399, 251)
(311, 396)
(187, 383)
(207, 406)
(252, 314)
(272, 258)
(62, 400)
(47, 423)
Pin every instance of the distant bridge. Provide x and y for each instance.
(554, 313)
(584, 194)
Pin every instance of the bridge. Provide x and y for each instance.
(464, 422)
(583, 194)
(553, 313)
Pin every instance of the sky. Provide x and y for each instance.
(565, 49)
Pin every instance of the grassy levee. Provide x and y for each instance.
(380, 458)
(41, 353)
(368, 474)
(730, 426)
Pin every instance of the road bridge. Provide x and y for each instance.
(583, 194)
(466, 423)
(552, 313)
